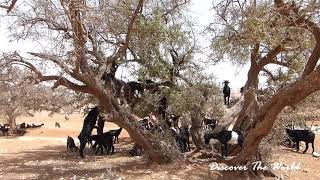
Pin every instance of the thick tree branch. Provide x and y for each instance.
(10, 7)
(122, 50)
(290, 9)
(74, 15)
(169, 11)
(61, 81)
(284, 64)
(269, 73)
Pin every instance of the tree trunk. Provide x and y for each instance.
(12, 122)
(267, 114)
(196, 132)
(128, 121)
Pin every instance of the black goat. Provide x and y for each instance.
(172, 120)
(184, 136)
(116, 133)
(57, 125)
(144, 123)
(100, 125)
(37, 126)
(104, 140)
(209, 123)
(162, 109)
(178, 139)
(22, 125)
(136, 150)
(88, 125)
(226, 93)
(225, 137)
(4, 131)
(297, 135)
(136, 86)
(71, 145)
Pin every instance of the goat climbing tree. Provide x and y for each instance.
(274, 36)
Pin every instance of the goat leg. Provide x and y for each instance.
(226, 150)
(307, 146)
(298, 145)
(82, 145)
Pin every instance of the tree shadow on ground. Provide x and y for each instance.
(54, 162)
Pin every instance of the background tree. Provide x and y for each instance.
(20, 97)
(267, 34)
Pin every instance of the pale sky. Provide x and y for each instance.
(200, 12)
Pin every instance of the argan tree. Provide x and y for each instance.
(21, 97)
(84, 38)
(276, 38)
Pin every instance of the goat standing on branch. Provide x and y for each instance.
(226, 93)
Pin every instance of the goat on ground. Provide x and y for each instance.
(71, 145)
(88, 125)
(184, 136)
(57, 125)
(179, 141)
(22, 125)
(226, 93)
(136, 150)
(297, 135)
(37, 126)
(172, 120)
(104, 140)
(225, 137)
(4, 131)
(116, 133)
(209, 123)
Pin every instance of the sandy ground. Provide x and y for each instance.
(41, 154)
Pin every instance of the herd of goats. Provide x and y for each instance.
(180, 134)
(105, 140)
(20, 129)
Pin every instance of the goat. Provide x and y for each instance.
(172, 120)
(37, 126)
(116, 133)
(117, 86)
(209, 123)
(71, 145)
(144, 123)
(88, 125)
(179, 141)
(4, 131)
(104, 140)
(297, 135)
(226, 93)
(136, 86)
(162, 107)
(100, 126)
(184, 136)
(136, 150)
(225, 137)
(151, 86)
(57, 125)
(22, 125)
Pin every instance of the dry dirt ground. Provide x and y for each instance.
(41, 154)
